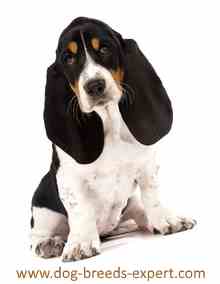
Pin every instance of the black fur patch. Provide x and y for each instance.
(46, 195)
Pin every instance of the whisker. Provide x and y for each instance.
(69, 105)
(75, 112)
(131, 92)
(78, 113)
(74, 108)
(125, 98)
(126, 89)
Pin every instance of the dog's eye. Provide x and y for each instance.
(105, 51)
(68, 58)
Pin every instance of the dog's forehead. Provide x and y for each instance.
(85, 33)
(92, 30)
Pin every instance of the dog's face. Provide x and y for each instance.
(91, 60)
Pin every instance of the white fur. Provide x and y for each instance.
(95, 194)
(108, 182)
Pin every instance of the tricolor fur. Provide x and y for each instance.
(105, 109)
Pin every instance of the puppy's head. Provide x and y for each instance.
(90, 56)
(93, 65)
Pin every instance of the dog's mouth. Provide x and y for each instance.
(102, 101)
(99, 101)
(90, 105)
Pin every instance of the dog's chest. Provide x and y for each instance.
(113, 182)
(111, 179)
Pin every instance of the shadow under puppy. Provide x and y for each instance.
(105, 109)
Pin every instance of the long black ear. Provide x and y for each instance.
(78, 134)
(148, 113)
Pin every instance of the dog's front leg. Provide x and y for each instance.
(83, 240)
(160, 219)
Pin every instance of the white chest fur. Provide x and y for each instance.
(109, 181)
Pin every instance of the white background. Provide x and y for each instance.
(181, 39)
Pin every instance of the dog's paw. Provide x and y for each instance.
(51, 247)
(161, 221)
(80, 250)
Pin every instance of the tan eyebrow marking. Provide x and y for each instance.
(73, 47)
(95, 43)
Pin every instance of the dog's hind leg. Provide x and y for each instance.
(49, 219)
(50, 230)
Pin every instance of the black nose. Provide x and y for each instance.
(95, 87)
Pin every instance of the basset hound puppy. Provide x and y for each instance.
(105, 110)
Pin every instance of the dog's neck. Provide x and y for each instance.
(111, 119)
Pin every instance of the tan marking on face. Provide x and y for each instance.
(117, 75)
(75, 88)
(73, 47)
(95, 43)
